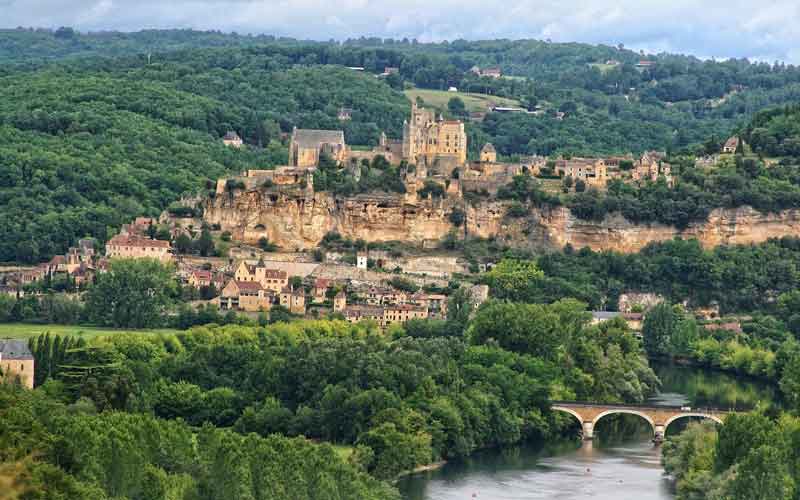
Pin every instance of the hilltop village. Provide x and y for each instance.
(244, 266)
(367, 280)
(418, 189)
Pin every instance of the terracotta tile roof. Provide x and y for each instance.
(405, 307)
(131, 240)
(58, 259)
(143, 221)
(732, 327)
(248, 286)
(202, 275)
(322, 283)
(275, 274)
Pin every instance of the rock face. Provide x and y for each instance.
(742, 225)
(300, 219)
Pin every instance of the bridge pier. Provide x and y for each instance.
(588, 431)
(658, 436)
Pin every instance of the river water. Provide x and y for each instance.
(620, 463)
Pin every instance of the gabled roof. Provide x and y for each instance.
(58, 259)
(130, 240)
(231, 136)
(405, 307)
(202, 274)
(15, 349)
(488, 148)
(249, 286)
(311, 138)
(732, 142)
(275, 274)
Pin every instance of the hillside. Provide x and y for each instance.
(473, 102)
(97, 128)
(84, 151)
(776, 132)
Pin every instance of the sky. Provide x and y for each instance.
(767, 30)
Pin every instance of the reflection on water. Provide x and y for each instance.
(573, 471)
(705, 388)
(621, 463)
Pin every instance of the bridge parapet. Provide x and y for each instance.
(659, 417)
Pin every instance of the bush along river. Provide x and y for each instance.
(621, 462)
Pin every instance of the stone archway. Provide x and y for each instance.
(659, 417)
(623, 411)
(704, 416)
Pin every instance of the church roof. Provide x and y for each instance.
(311, 138)
(488, 148)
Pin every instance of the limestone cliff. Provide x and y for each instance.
(743, 225)
(299, 219)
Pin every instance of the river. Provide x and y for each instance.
(620, 463)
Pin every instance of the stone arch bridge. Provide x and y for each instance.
(659, 417)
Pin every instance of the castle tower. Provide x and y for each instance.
(427, 137)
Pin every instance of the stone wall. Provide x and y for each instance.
(22, 368)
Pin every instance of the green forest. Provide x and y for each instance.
(97, 128)
(348, 407)
(205, 413)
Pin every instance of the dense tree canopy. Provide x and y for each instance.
(97, 128)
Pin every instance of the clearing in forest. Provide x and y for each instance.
(473, 102)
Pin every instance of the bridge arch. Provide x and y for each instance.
(571, 412)
(626, 411)
(696, 414)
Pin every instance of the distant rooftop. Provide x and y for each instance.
(311, 138)
(15, 349)
(604, 315)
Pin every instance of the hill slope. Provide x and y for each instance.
(82, 152)
(96, 128)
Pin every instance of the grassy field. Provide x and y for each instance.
(473, 102)
(603, 67)
(25, 330)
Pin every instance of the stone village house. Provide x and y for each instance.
(16, 362)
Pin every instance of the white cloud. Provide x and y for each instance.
(768, 30)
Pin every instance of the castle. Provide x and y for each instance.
(306, 146)
(435, 142)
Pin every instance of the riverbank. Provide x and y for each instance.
(421, 468)
(690, 362)
(620, 462)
